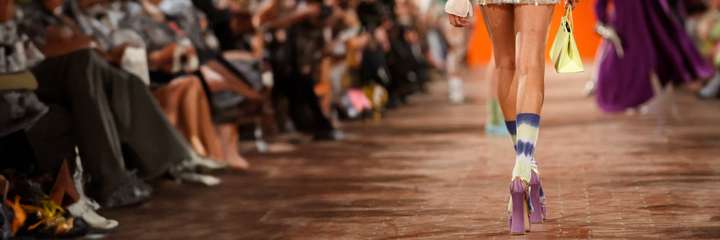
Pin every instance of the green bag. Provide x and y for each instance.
(564, 52)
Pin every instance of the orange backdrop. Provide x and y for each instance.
(480, 49)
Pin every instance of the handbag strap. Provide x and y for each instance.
(568, 17)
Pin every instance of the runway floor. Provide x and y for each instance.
(428, 171)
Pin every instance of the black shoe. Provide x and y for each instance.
(134, 192)
(329, 135)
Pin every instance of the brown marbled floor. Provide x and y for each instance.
(427, 171)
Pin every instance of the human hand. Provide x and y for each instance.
(611, 35)
(458, 21)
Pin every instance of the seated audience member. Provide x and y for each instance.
(296, 49)
(114, 120)
(182, 100)
(184, 31)
(16, 91)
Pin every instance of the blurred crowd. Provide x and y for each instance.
(703, 24)
(653, 47)
(98, 97)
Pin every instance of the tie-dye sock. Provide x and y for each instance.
(528, 126)
(512, 129)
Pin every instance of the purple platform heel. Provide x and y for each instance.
(519, 221)
(537, 215)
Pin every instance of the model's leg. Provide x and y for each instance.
(500, 21)
(532, 24)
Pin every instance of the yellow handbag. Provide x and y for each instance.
(564, 52)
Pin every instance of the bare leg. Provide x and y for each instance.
(229, 136)
(189, 110)
(324, 87)
(532, 23)
(179, 110)
(231, 82)
(169, 99)
(499, 20)
(208, 134)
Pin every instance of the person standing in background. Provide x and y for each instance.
(644, 41)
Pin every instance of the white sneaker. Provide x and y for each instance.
(84, 210)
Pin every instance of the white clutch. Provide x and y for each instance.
(462, 8)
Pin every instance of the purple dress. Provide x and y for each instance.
(653, 41)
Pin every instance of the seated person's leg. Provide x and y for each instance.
(71, 81)
(231, 82)
(179, 102)
(142, 126)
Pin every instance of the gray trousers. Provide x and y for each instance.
(110, 112)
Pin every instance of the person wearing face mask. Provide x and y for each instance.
(115, 121)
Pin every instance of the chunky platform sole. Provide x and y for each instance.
(519, 221)
(538, 208)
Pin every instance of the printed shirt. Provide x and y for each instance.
(17, 52)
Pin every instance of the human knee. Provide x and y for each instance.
(505, 64)
(528, 68)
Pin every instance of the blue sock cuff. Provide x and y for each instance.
(529, 119)
(511, 127)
